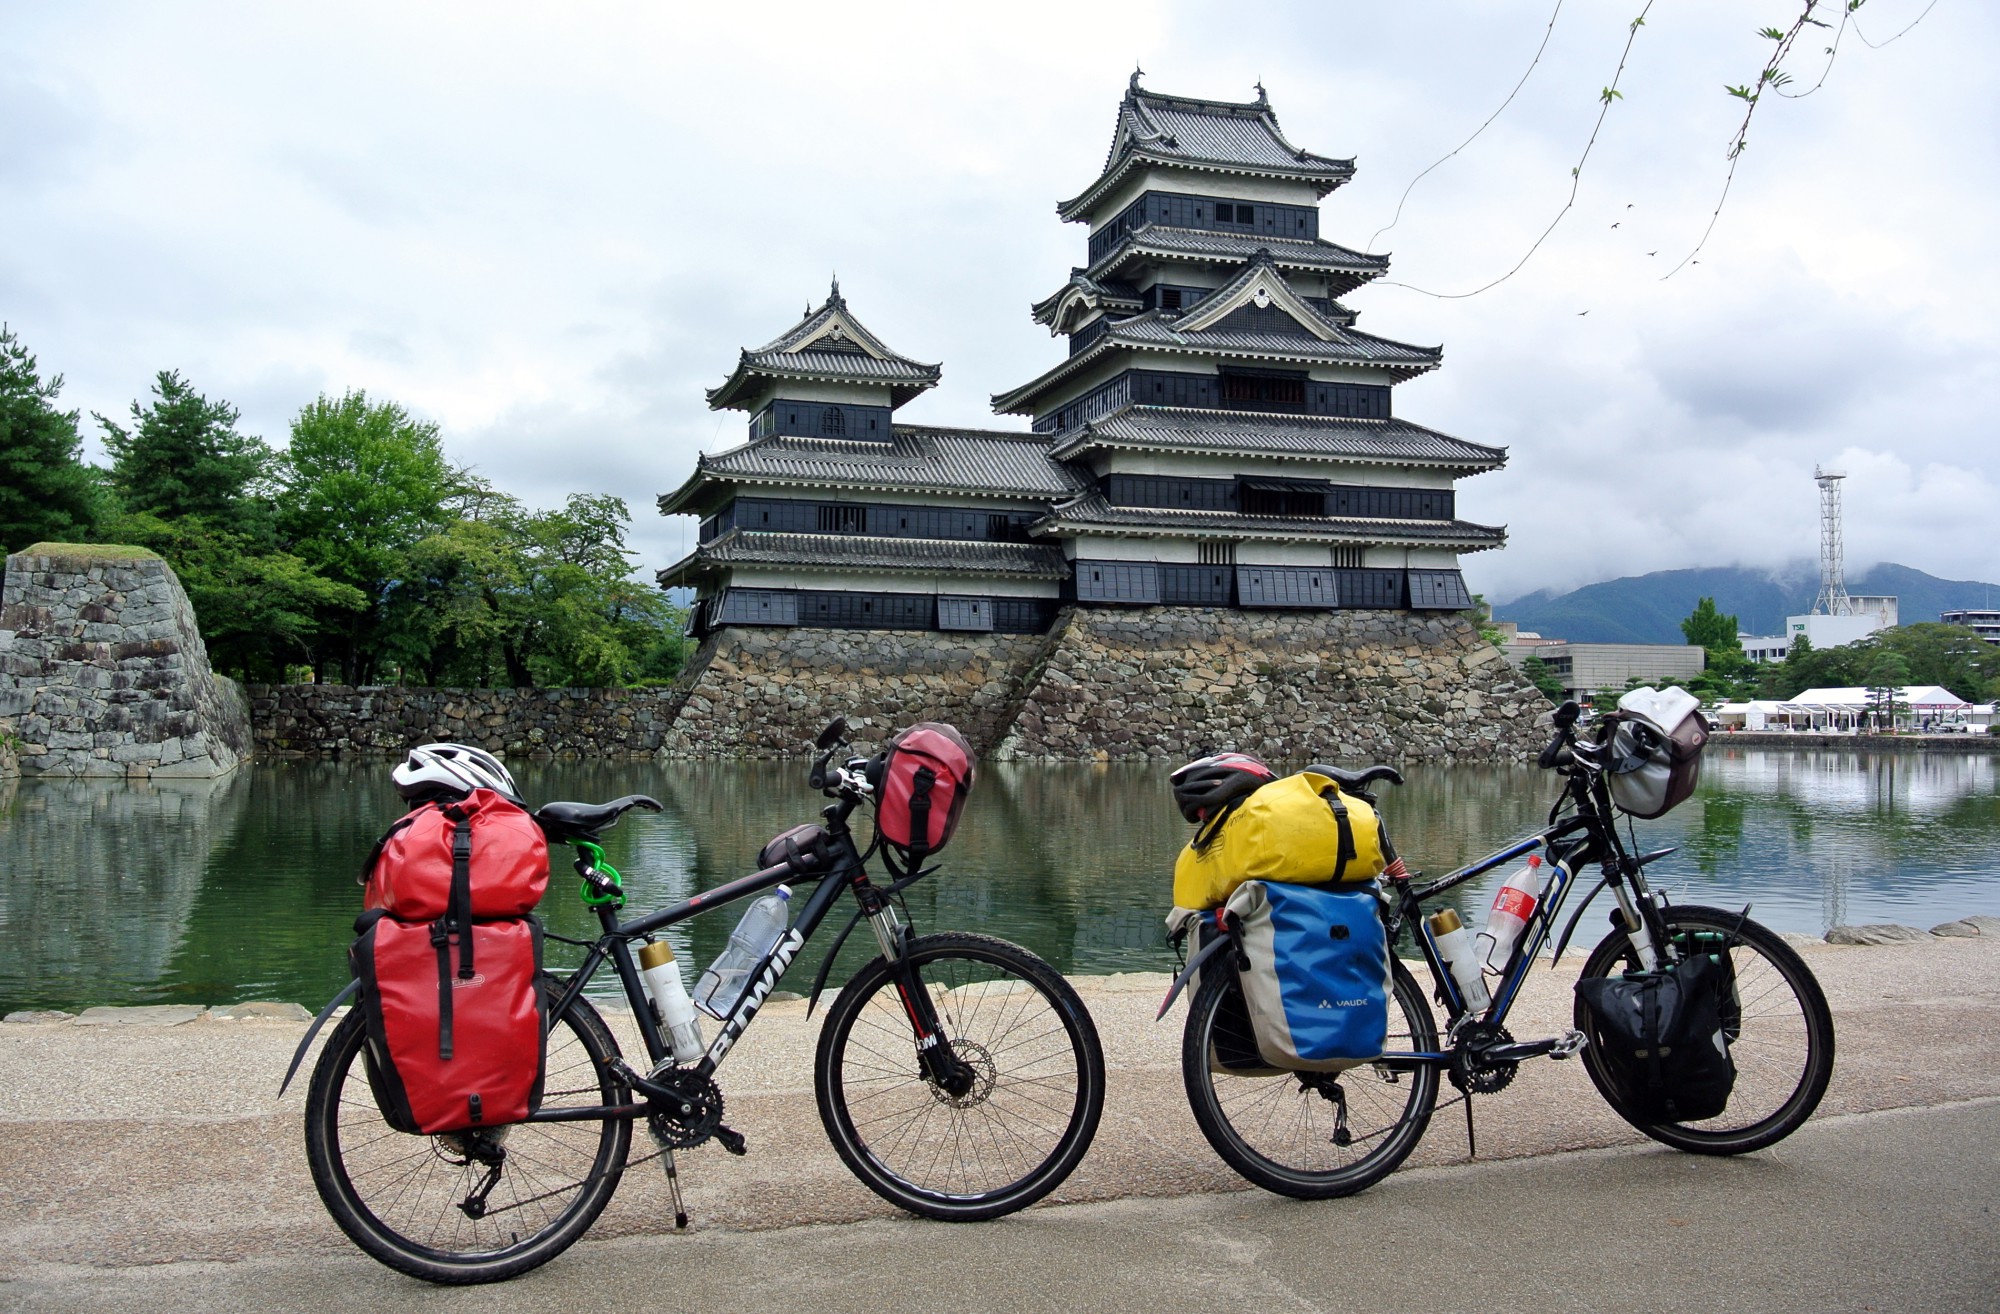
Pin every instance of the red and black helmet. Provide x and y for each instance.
(1209, 783)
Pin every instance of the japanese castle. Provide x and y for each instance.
(1220, 433)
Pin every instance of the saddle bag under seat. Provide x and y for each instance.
(1317, 988)
(450, 1049)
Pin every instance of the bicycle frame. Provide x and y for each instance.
(846, 871)
(1568, 843)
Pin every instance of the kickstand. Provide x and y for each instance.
(1471, 1141)
(674, 1187)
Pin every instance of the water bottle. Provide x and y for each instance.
(1513, 904)
(662, 978)
(723, 984)
(1455, 947)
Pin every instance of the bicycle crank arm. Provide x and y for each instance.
(1526, 1049)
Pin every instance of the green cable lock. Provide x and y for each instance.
(594, 856)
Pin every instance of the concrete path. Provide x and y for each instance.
(134, 1157)
(1884, 1211)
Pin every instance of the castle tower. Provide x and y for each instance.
(1235, 431)
(832, 515)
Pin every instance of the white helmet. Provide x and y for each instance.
(456, 769)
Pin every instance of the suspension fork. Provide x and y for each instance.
(940, 1064)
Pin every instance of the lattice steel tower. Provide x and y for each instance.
(1832, 599)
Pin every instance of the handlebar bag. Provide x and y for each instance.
(1299, 830)
(1317, 988)
(483, 846)
(1662, 1037)
(455, 1022)
(1657, 739)
(921, 781)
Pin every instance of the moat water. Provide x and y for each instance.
(244, 888)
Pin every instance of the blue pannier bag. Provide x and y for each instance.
(1317, 988)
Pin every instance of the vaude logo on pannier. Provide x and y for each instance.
(1343, 1003)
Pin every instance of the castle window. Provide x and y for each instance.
(832, 421)
(1217, 554)
(843, 520)
(1170, 298)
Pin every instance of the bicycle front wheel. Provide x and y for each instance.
(1309, 1135)
(403, 1198)
(1037, 1086)
(1781, 1040)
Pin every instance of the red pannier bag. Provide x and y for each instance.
(922, 779)
(455, 1020)
(505, 860)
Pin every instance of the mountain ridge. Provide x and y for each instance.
(1650, 608)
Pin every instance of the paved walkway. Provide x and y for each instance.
(128, 1146)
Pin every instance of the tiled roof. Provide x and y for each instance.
(845, 552)
(1158, 331)
(1238, 433)
(917, 458)
(840, 349)
(1211, 134)
(1096, 293)
(1315, 254)
(1092, 513)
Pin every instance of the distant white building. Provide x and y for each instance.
(1982, 621)
(1588, 668)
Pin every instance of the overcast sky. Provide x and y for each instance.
(548, 228)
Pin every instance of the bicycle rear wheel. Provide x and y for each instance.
(1036, 1095)
(1280, 1131)
(1783, 1041)
(399, 1197)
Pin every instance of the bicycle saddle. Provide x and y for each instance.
(1354, 782)
(567, 821)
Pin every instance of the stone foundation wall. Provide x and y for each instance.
(766, 693)
(1352, 687)
(294, 720)
(103, 672)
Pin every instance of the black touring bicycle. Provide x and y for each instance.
(958, 1076)
(1317, 1135)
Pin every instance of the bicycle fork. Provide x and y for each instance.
(941, 1066)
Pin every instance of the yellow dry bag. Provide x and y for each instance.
(1301, 830)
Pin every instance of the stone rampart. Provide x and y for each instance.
(297, 720)
(766, 693)
(103, 672)
(1351, 686)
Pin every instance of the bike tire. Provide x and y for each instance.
(1276, 1128)
(1016, 1135)
(1783, 1048)
(396, 1195)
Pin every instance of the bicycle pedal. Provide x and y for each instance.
(1571, 1044)
(732, 1140)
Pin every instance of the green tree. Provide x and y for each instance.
(504, 595)
(363, 484)
(1887, 673)
(46, 492)
(259, 609)
(183, 457)
(1539, 674)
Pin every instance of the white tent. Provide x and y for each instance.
(1915, 704)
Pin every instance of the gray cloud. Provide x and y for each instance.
(550, 231)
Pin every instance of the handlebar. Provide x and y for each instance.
(1557, 751)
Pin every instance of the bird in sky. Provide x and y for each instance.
(1581, 313)
(1615, 225)
(1652, 253)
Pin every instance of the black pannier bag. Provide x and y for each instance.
(1662, 1037)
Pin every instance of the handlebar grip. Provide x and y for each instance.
(1553, 752)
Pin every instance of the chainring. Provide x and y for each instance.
(1470, 1071)
(690, 1116)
